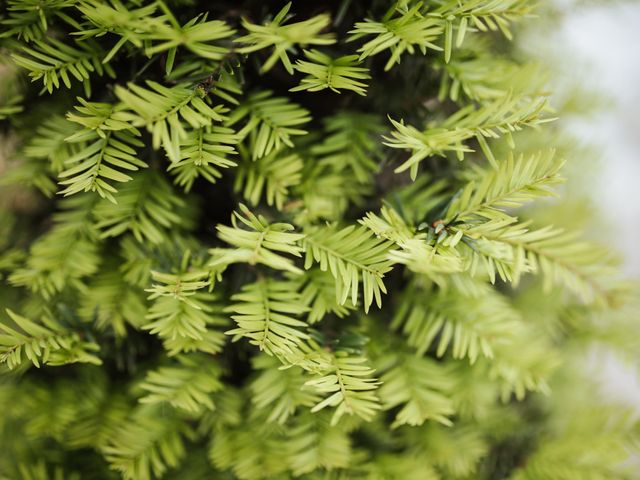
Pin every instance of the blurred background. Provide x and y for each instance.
(605, 39)
(595, 47)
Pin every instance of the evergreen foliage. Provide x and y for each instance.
(203, 206)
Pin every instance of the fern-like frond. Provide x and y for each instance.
(211, 341)
(267, 313)
(404, 30)
(279, 391)
(349, 386)
(270, 122)
(65, 254)
(34, 173)
(588, 442)
(10, 107)
(274, 174)
(584, 268)
(479, 15)
(50, 409)
(484, 78)
(526, 363)
(492, 120)
(353, 256)
(112, 303)
(187, 384)
(40, 470)
(137, 261)
(399, 465)
(416, 250)
(421, 386)
(310, 356)
(113, 17)
(28, 20)
(203, 153)
(484, 255)
(184, 315)
(11, 97)
(347, 157)
(326, 194)
(44, 343)
(350, 145)
(454, 451)
(179, 309)
(146, 207)
(323, 71)
(313, 443)
(318, 292)
(257, 245)
(422, 199)
(161, 110)
(98, 409)
(196, 36)
(284, 37)
(469, 326)
(250, 448)
(390, 225)
(56, 63)
(108, 142)
(49, 143)
(516, 181)
(147, 445)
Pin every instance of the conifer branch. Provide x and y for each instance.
(495, 15)
(56, 63)
(108, 142)
(146, 207)
(114, 303)
(186, 385)
(350, 388)
(279, 392)
(318, 292)
(407, 31)
(274, 175)
(421, 386)
(29, 20)
(244, 360)
(350, 144)
(270, 122)
(147, 445)
(257, 245)
(267, 314)
(203, 153)
(469, 325)
(313, 443)
(415, 250)
(352, 255)
(49, 143)
(515, 182)
(113, 17)
(195, 36)
(284, 37)
(336, 74)
(46, 343)
(180, 312)
(66, 254)
(160, 109)
(484, 78)
(492, 120)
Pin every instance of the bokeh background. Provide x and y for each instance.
(604, 41)
(594, 47)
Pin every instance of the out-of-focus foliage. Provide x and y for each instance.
(320, 240)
